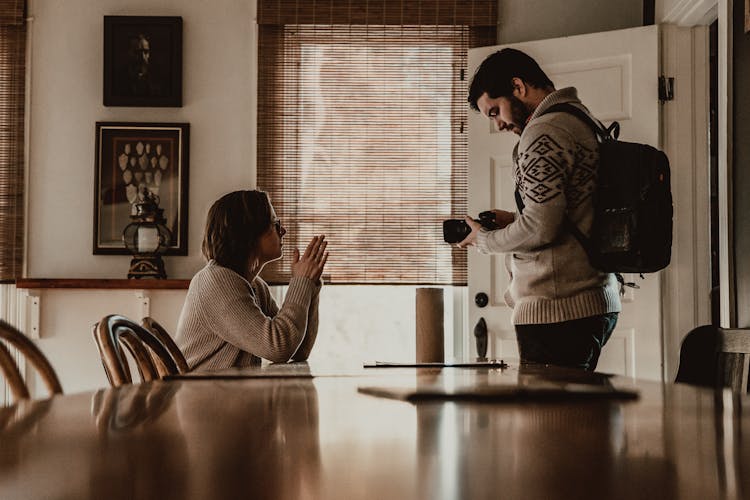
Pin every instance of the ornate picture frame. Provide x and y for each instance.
(131, 157)
(142, 61)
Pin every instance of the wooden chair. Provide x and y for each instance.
(160, 332)
(33, 355)
(734, 358)
(715, 357)
(144, 346)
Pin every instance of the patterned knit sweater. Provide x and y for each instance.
(227, 321)
(555, 165)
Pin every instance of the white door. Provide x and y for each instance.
(616, 75)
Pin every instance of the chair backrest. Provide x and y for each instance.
(33, 355)
(115, 330)
(715, 357)
(734, 358)
(160, 332)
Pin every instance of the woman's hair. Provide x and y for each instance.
(234, 225)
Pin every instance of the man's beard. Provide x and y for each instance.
(519, 113)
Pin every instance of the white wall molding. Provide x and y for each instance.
(686, 12)
(686, 283)
(726, 218)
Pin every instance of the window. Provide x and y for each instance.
(361, 117)
(361, 132)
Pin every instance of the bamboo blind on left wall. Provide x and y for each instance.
(12, 98)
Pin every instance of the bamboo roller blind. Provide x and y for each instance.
(12, 82)
(361, 131)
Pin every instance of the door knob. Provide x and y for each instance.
(481, 299)
(480, 334)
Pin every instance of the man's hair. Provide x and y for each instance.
(495, 75)
(235, 223)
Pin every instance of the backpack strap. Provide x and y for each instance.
(582, 239)
(519, 201)
(602, 133)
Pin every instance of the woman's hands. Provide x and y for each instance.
(310, 264)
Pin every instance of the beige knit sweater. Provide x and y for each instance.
(227, 321)
(555, 165)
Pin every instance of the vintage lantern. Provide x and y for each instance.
(147, 237)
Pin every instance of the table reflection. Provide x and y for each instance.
(19, 418)
(15, 422)
(141, 448)
(118, 410)
(706, 431)
(321, 437)
(534, 449)
(267, 446)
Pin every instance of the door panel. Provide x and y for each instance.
(616, 75)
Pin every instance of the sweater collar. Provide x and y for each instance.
(568, 94)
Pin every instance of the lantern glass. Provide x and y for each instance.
(146, 238)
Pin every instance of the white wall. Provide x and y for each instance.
(65, 58)
(524, 20)
(66, 101)
(67, 317)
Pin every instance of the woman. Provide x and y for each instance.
(229, 317)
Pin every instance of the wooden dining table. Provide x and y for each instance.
(306, 432)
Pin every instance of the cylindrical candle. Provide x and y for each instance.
(429, 325)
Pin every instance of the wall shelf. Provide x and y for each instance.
(113, 284)
(141, 289)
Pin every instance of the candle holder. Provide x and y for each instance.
(147, 237)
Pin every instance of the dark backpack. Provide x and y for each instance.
(632, 226)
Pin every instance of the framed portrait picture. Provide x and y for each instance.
(143, 61)
(131, 158)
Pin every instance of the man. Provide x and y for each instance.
(564, 310)
(140, 82)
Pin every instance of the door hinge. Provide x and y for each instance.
(666, 89)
